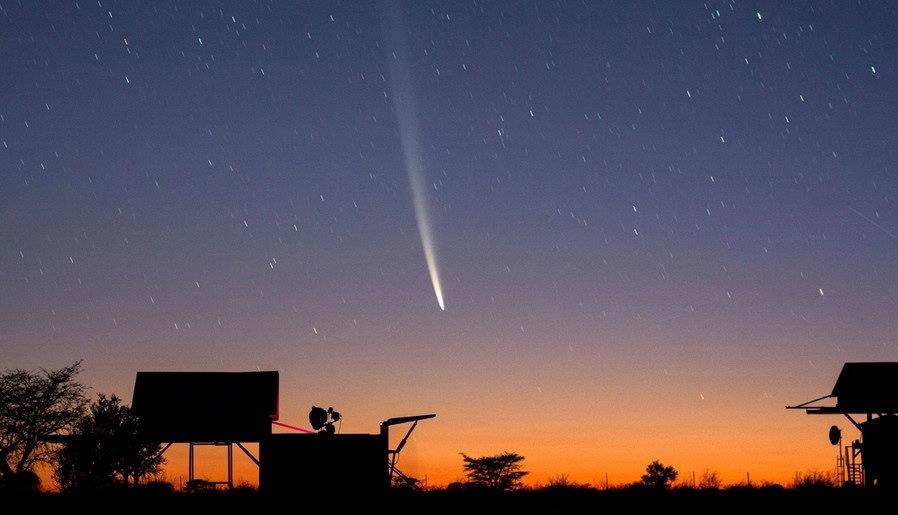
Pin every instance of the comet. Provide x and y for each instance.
(406, 112)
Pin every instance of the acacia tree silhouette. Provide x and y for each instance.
(660, 476)
(106, 448)
(32, 406)
(501, 472)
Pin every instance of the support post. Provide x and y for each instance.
(230, 466)
(190, 464)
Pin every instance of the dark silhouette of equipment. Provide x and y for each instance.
(323, 420)
(870, 390)
(835, 435)
(393, 454)
(363, 464)
(207, 408)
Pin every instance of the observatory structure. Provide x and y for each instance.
(867, 395)
(222, 409)
(230, 409)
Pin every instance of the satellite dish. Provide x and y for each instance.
(835, 435)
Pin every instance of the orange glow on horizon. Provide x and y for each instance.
(424, 459)
(595, 409)
(571, 455)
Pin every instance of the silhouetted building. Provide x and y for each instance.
(207, 408)
(322, 462)
(362, 464)
(869, 390)
(231, 408)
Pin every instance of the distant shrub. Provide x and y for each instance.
(245, 487)
(407, 484)
(659, 476)
(683, 486)
(709, 481)
(562, 483)
(766, 486)
(814, 479)
(455, 487)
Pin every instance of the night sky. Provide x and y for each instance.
(656, 223)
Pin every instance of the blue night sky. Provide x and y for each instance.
(668, 203)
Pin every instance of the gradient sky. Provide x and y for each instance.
(657, 223)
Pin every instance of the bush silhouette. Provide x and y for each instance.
(814, 479)
(106, 449)
(709, 481)
(405, 483)
(501, 472)
(658, 476)
(561, 484)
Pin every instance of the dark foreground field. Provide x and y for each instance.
(543, 502)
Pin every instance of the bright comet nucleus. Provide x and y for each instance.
(407, 116)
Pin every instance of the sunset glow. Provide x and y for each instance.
(648, 226)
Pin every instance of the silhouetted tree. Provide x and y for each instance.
(657, 475)
(32, 406)
(106, 448)
(709, 480)
(501, 472)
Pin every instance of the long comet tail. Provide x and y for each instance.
(407, 114)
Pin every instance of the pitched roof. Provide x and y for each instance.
(867, 387)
